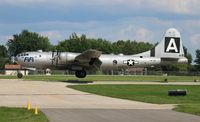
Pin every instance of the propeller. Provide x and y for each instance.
(55, 57)
(13, 59)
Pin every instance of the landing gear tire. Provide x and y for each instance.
(19, 75)
(81, 74)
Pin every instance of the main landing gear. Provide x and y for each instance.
(19, 75)
(80, 73)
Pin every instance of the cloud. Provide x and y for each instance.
(137, 28)
(54, 36)
(135, 32)
(195, 39)
(115, 6)
(177, 6)
(195, 24)
(22, 2)
(143, 34)
(4, 39)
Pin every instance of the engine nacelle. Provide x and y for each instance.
(66, 57)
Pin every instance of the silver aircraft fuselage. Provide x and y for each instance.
(44, 60)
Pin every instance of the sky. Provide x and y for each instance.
(141, 20)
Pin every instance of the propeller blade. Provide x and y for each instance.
(13, 59)
(52, 57)
(57, 58)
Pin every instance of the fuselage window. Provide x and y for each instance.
(40, 56)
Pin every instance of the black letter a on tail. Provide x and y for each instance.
(172, 45)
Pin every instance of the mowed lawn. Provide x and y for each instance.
(149, 93)
(20, 115)
(107, 78)
(146, 93)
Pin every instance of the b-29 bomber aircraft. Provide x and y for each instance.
(168, 51)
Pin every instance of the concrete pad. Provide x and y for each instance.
(117, 115)
(17, 93)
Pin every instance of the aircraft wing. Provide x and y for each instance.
(89, 58)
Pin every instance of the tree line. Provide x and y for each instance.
(31, 41)
(82, 43)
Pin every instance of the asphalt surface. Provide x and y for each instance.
(117, 115)
(60, 103)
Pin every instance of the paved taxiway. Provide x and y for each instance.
(118, 115)
(62, 103)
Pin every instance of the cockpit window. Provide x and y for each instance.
(23, 54)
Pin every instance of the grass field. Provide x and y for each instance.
(107, 78)
(189, 108)
(20, 115)
(149, 93)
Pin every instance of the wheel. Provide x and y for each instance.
(19, 75)
(81, 74)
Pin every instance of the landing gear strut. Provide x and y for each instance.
(80, 73)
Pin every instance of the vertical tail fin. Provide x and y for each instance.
(170, 46)
(169, 49)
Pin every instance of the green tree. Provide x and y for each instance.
(3, 56)
(3, 52)
(197, 60)
(187, 55)
(27, 41)
(82, 43)
(130, 47)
